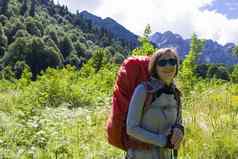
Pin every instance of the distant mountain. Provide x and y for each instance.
(117, 30)
(211, 53)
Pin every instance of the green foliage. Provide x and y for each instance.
(146, 48)
(3, 41)
(62, 116)
(24, 8)
(19, 68)
(33, 8)
(21, 33)
(3, 38)
(66, 46)
(201, 70)
(235, 50)
(34, 52)
(73, 60)
(60, 31)
(189, 64)
(7, 74)
(11, 28)
(3, 19)
(23, 73)
(218, 72)
(147, 31)
(34, 27)
(101, 57)
(53, 35)
(234, 74)
(118, 58)
(4, 8)
(80, 48)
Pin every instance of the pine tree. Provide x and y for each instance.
(101, 57)
(3, 41)
(234, 74)
(33, 8)
(24, 8)
(66, 46)
(235, 50)
(146, 48)
(5, 7)
(189, 65)
(147, 31)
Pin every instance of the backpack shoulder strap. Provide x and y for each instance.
(149, 95)
(178, 95)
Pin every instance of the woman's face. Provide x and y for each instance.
(166, 67)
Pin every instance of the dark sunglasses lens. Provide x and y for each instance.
(172, 62)
(162, 62)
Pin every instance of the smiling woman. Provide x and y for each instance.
(159, 123)
(164, 65)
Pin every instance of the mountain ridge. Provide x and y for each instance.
(213, 52)
(113, 26)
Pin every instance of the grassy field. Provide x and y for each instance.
(62, 115)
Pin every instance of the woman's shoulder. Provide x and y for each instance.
(140, 87)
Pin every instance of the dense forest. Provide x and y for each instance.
(42, 34)
(57, 78)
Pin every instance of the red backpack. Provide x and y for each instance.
(132, 72)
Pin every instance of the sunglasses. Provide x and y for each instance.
(171, 62)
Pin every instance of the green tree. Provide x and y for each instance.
(66, 46)
(73, 60)
(24, 8)
(53, 35)
(3, 41)
(11, 28)
(118, 58)
(5, 4)
(21, 33)
(50, 43)
(19, 68)
(101, 57)
(218, 72)
(201, 70)
(235, 50)
(189, 65)
(33, 8)
(3, 19)
(7, 74)
(147, 31)
(80, 48)
(34, 52)
(146, 48)
(34, 27)
(234, 74)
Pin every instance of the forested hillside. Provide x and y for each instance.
(40, 34)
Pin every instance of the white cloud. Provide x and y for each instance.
(181, 16)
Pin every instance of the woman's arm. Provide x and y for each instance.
(134, 116)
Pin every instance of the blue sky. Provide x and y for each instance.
(213, 19)
(229, 8)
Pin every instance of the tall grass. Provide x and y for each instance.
(62, 115)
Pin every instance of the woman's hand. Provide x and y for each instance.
(177, 137)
